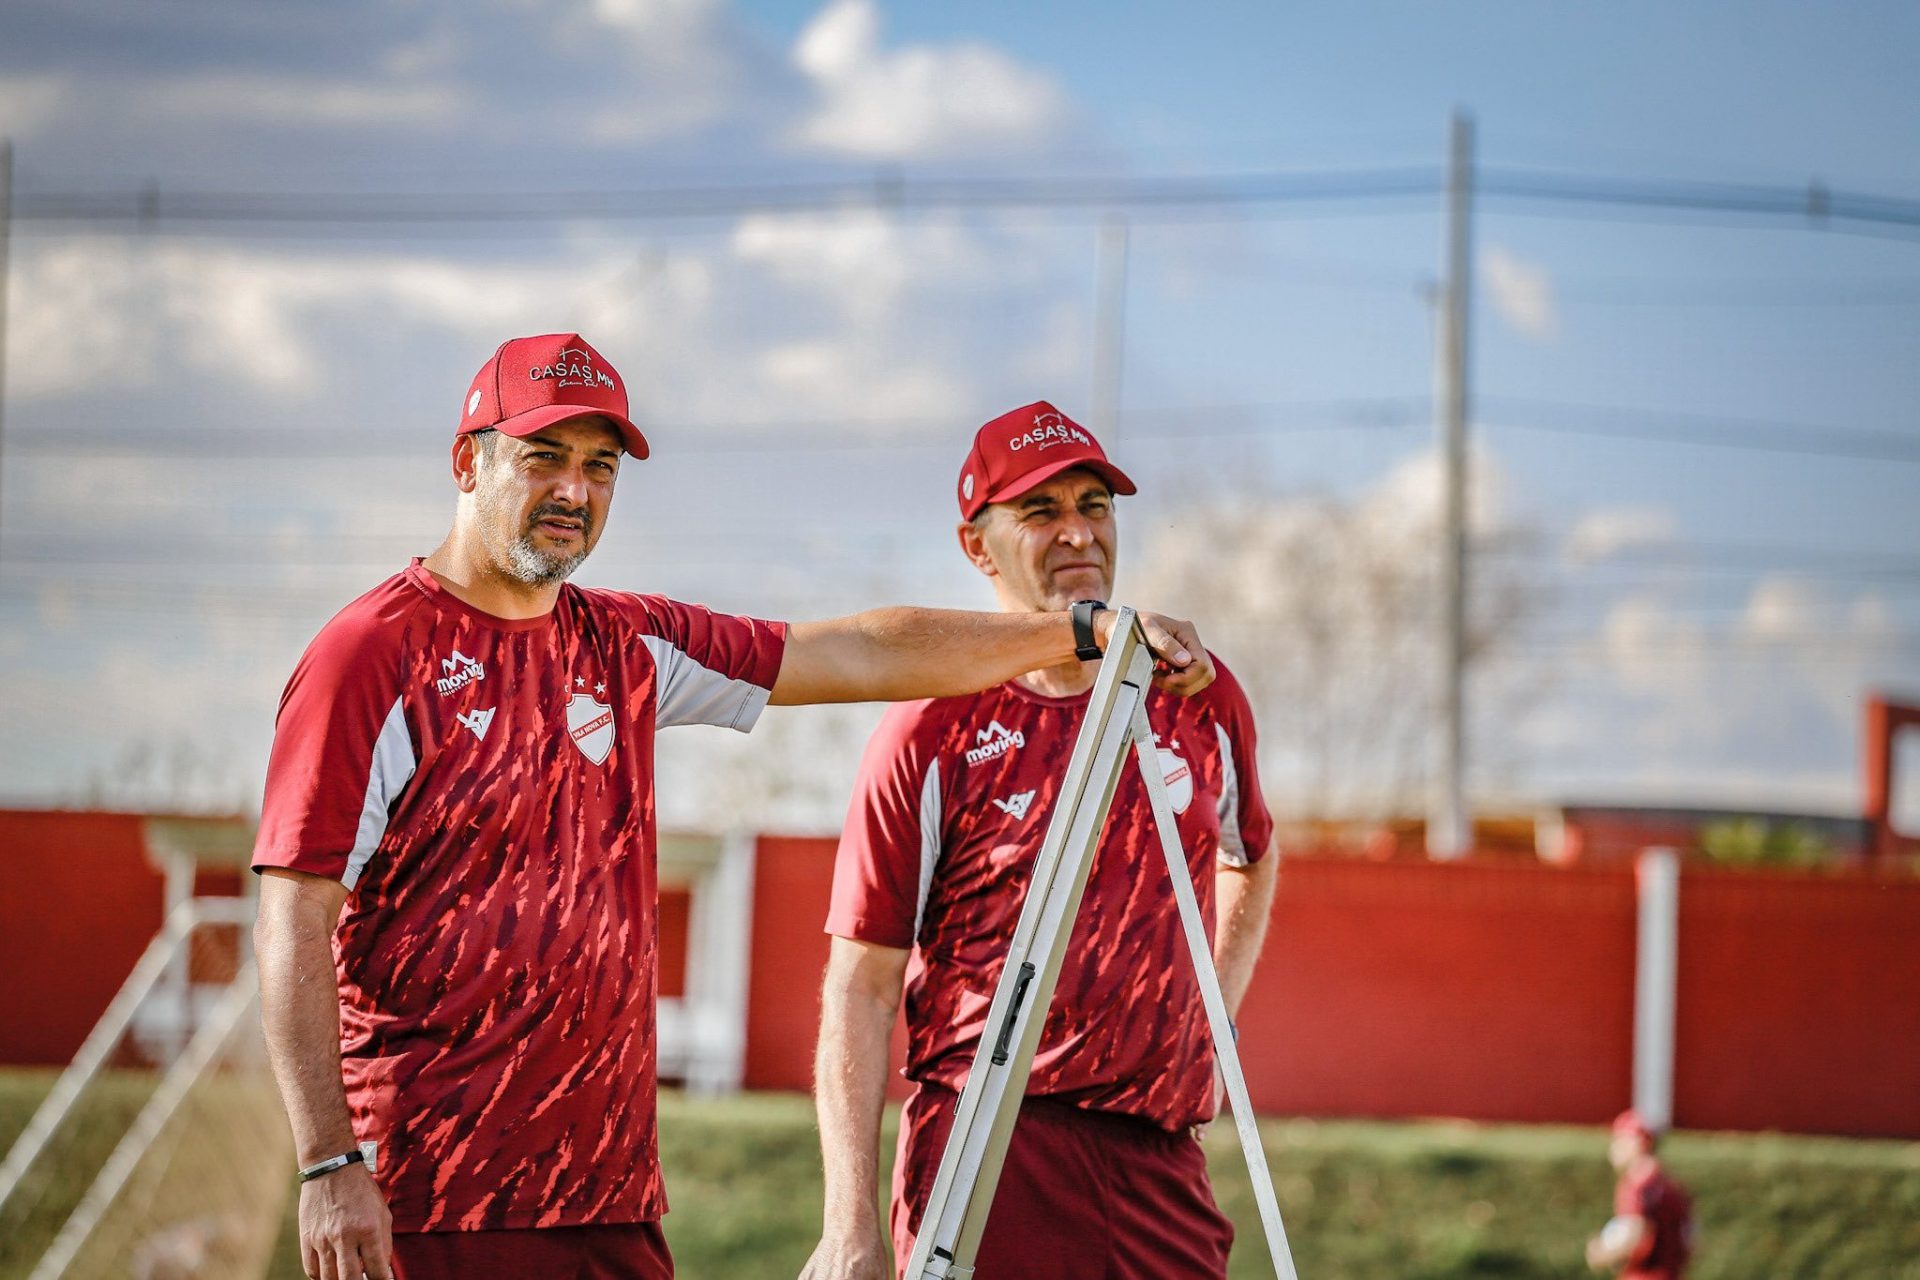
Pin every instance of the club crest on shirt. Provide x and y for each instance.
(590, 725)
(1179, 778)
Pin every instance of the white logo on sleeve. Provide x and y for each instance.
(478, 721)
(1017, 805)
(995, 741)
(460, 671)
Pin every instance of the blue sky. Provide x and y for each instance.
(261, 407)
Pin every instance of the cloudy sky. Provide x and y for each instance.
(260, 247)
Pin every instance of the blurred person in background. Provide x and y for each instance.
(1104, 1174)
(1650, 1236)
(458, 907)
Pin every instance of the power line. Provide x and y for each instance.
(1738, 293)
(885, 190)
(1702, 429)
(1168, 423)
(1725, 556)
(902, 433)
(154, 209)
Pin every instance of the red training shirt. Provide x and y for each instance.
(1646, 1191)
(484, 787)
(947, 818)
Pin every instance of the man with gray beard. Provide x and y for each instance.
(457, 847)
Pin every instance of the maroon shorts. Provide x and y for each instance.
(1083, 1194)
(618, 1251)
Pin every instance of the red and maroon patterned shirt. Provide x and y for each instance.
(484, 787)
(948, 815)
(1645, 1191)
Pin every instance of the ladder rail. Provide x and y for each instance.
(962, 1193)
(956, 1211)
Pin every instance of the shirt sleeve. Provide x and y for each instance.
(1246, 827)
(342, 753)
(712, 668)
(891, 840)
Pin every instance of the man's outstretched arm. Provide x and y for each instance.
(858, 1002)
(891, 655)
(346, 1231)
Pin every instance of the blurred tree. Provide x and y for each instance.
(174, 775)
(1751, 842)
(1327, 610)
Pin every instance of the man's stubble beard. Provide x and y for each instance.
(520, 559)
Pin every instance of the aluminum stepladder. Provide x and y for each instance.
(1116, 719)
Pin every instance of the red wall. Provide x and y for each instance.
(1500, 991)
(676, 910)
(792, 879)
(1497, 992)
(1504, 991)
(81, 904)
(1799, 1004)
(792, 882)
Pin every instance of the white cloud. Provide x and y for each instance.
(1652, 649)
(1522, 292)
(1407, 501)
(98, 312)
(1780, 609)
(28, 101)
(814, 378)
(1758, 708)
(1609, 531)
(921, 100)
(284, 99)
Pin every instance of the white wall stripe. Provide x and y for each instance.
(1656, 974)
(387, 774)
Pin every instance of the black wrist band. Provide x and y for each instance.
(333, 1164)
(1085, 646)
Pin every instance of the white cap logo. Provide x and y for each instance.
(966, 487)
(473, 402)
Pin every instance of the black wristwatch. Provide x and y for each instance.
(366, 1153)
(1085, 646)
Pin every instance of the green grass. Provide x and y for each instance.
(1421, 1201)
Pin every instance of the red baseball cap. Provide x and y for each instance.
(532, 383)
(1018, 450)
(1630, 1124)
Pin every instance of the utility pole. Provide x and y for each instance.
(1109, 328)
(6, 277)
(1449, 826)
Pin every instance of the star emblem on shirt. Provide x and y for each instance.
(581, 681)
(600, 688)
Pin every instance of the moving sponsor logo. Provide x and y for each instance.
(461, 671)
(995, 741)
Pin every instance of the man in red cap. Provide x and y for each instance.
(1103, 1176)
(457, 848)
(1650, 1236)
